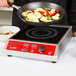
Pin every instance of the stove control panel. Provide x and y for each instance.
(30, 47)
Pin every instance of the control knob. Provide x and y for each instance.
(42, 49)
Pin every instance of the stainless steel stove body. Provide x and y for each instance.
(43, 49)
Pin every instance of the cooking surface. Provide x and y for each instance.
(41, 34)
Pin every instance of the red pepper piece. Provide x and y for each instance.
(33, 12)
(57, 11)
(25, 11)
(47, 13)
(53, 14)
(41, 12)
(28, 12)
(6, 33)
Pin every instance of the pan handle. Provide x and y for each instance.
(12, 5)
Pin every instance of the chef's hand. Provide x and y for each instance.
(3, 3)
(74, 34)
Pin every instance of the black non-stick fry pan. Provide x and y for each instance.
(33, 6)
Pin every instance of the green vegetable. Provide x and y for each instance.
(47, 9)
(24, 17)
(48, 17)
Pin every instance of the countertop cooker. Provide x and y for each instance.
(44, 43)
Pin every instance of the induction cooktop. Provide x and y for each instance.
(48, 34)
(44, 43)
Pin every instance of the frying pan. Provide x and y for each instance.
(33, 6)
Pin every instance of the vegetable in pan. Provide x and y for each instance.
(41, 15)
(8, 33)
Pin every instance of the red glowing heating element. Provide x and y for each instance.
(31, 47)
